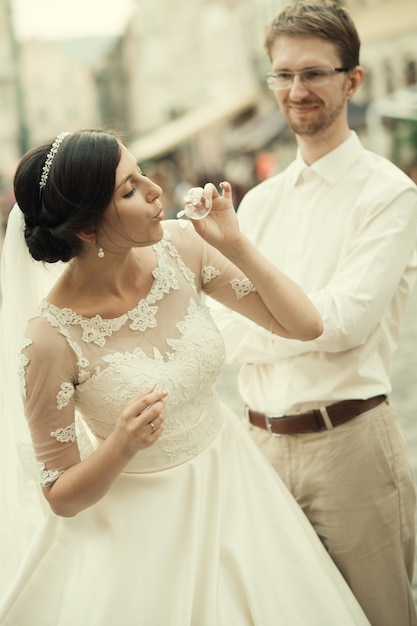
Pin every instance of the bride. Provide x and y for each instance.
(131, 495)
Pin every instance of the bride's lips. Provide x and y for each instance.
(159, 215)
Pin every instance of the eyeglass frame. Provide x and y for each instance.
(292, 74)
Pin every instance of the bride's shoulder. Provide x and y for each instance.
(181, 232)
(178, 226)
(43, 335)
(186, 242)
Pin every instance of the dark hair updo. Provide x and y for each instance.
(78, 190)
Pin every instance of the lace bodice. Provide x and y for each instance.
(99, 364)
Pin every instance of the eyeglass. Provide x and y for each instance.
(310, 77)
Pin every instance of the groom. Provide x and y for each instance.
(342, 222)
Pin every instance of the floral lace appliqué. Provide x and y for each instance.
(47, 477)
(64, 435)
(64, 395)
(208, 272)
(165, 279)
(143, 316)
(173, 252)
(23, 362)
(97, 329)
(242, 287)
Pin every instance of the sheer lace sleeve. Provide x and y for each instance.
(220, 279)
(48, 378)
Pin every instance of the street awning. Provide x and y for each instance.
(172, 134)
(257, 133)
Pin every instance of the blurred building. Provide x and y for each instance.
(12, 127)
(388, 29)
(185, 84)
(389, 56)
(59, 87)
(180, 85)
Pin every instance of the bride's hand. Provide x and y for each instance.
(220, 227)
(140, 423)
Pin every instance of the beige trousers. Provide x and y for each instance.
(356, 486)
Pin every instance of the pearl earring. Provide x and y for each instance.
(100, 253)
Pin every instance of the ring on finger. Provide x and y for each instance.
(153, 426)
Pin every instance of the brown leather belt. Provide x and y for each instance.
(313, 421)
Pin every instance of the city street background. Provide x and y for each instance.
(404, 395)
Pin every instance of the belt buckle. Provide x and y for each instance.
(268, 419)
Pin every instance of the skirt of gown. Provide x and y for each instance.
(215, 541)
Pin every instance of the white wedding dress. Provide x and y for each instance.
(198, 530)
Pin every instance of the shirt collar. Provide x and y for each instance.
(332, 166)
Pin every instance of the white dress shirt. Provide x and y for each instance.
(345, 229)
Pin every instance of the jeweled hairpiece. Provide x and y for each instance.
(50, 157)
